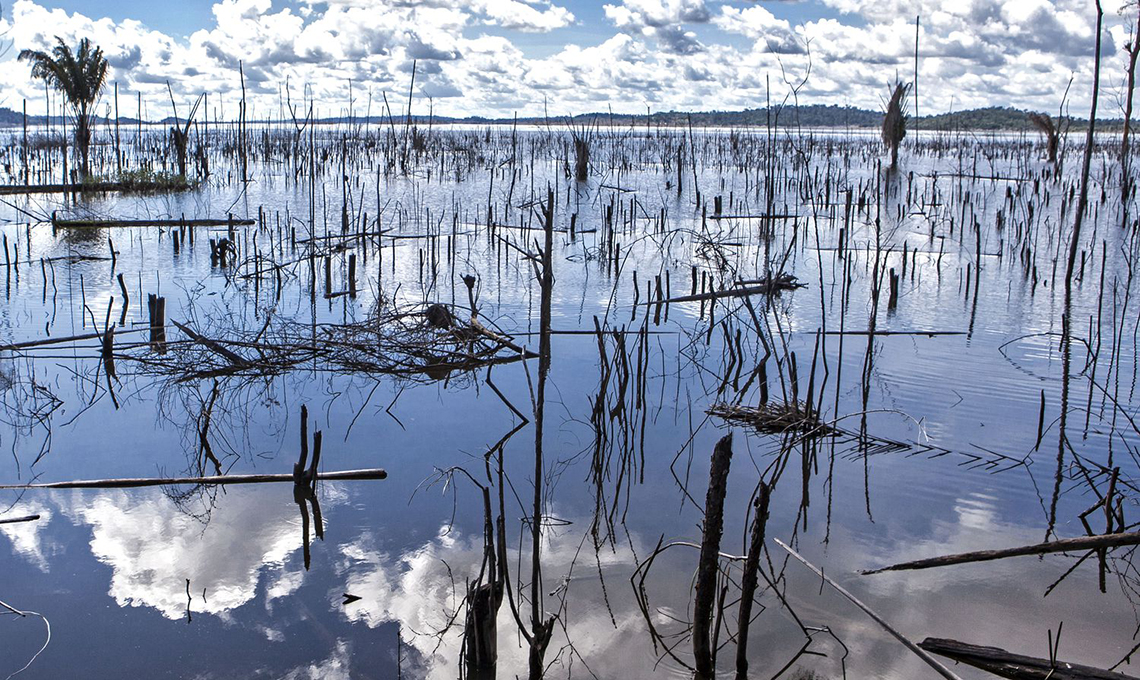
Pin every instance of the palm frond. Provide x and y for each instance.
(894, 122)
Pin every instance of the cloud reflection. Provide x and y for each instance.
(422, 588)
(153, 548)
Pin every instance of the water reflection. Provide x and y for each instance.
(153, 548)
(423, 589)
(31, 540)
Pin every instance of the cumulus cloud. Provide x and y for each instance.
(663, 20)
(668, 54)
(761, 26)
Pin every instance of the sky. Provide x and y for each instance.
(500, 57)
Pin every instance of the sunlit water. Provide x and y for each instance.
(147, 583)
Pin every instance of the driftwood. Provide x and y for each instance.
(62, 223)
(130, 483)
(921, 653)
(772, 216)
(759, 287)
(1015, 666)
(16, 520)
(1061, 545)
(70, 338)
(775, 418)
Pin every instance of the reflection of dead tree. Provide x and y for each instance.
(618, 417)
(538, 637)
(24, 614)
(484, 597)
(717, 576)
(26, 407)
(484, 594)
(305, 484)
(918, 651)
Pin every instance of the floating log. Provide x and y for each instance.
(70, 338)
(921, 653)
(13, 189)
(16, 520)
(130, 483)
(1015, 666)
(762, 216)
(764, 288)
(1061, 545)
(94, 223)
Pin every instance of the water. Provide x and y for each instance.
(167, 582)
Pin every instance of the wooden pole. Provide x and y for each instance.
(921, 653)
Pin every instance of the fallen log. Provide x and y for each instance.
(70, 338)
(761, 216)
(746, 291)
(95, 223)
(1060, 545)
(83, 187)
(1015, 666)
(130, 483)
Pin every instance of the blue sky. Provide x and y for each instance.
(497, 57)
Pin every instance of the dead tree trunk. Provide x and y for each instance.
(708, 568)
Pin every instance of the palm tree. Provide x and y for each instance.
(80, 76)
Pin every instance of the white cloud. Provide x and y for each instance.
(669, 54)
(663, 20)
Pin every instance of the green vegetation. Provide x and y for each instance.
(141, 181)
(80, 76)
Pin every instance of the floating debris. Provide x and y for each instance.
(776, 418)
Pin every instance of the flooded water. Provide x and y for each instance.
(923, 438)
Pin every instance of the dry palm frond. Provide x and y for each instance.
(772, 418)
(1043, 123)
(894, 122)
(1050, 130)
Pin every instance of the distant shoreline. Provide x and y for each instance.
(997, 119)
